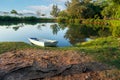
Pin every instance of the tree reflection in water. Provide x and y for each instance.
(79, 33)
(55, 28)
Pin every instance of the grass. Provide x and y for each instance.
(105, 50)
(11, 46)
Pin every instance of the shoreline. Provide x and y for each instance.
(89, 59)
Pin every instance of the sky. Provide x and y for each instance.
(30, 6)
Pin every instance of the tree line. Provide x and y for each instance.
(24, 19)
(85, 9)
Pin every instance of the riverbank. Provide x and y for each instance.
(105, 49)
(97, 59)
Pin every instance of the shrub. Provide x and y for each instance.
(62, 19)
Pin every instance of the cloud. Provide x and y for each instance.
(61, 0)
(26, 11)
(40, 8)
(44, 9)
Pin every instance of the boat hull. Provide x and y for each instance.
(43, 43)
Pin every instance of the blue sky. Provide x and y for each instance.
(32, 6)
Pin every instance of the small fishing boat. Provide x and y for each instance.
(43, 42)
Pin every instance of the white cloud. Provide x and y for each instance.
(61, 0)
(44, 9)
(26, 11)
(40, 8)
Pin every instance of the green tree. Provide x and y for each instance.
(55, 11)
(14, 12)
(82, 9)
(74, 9)
(116, 1)
(112, 10)
(62, 14)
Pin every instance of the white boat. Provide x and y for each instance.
(43, 42)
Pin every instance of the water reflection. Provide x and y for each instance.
(55, 28)
(66, 35)
(79, 33)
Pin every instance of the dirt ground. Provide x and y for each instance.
(35, 64)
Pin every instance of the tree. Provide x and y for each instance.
(112, 10)
(82, 9)
(74, 9)
(55, 11)
(116, 1)
(14, 12)
(62, 14)
(77, 9)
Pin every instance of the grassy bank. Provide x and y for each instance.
(105, 50)
(10, 46)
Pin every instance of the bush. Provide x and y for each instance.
(77, 21)
(62, 19)
(115, 28)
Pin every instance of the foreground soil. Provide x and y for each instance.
(53, 65)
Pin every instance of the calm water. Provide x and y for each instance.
(66, 35)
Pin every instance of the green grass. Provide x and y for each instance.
(11, 46)
(105, 50)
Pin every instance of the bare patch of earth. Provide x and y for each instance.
(53, 65)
